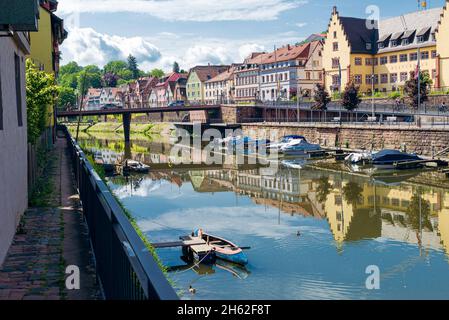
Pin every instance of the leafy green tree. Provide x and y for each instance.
(350, 99)
(321, 98)
(158, 73)
(66, 98)
(70, 68)
(92, 69)
(88, 80)
(115, 66)
(69, 80)
(126, 75)
(41, 91)
(176, 67)
(411, 88)
(132, 66)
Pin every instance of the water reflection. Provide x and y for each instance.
(398, 222)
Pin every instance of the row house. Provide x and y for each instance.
(171, 88)
(383, 55)
(45, 49)
(110, 97)
(196, 81)
(220, 89)
(17, 20)
(92, 99)
(246, 79)
(289, 69)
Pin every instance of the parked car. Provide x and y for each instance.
(176, 104)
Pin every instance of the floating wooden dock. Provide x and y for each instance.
(414, 163)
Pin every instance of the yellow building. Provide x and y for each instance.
(45, 44)
(383, 55)
(442, 36)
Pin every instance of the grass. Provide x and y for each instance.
(101, 173)
(43, 190)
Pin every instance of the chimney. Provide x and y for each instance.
(289, 47)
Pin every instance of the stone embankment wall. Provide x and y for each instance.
(422, 141)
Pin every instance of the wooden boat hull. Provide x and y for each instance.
(225, 249)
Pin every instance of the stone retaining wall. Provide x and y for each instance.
(419, 140)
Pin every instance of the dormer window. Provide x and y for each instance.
(369, 46)
(420, 39)
(405, 42)
(381, 45)
(393, 43)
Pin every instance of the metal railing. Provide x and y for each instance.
(124, 265)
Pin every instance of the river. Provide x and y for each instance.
(313, 233)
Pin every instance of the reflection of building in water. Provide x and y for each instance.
(358, 210)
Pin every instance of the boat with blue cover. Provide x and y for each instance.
(388, 159)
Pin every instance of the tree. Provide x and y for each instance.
(350, 99)
(68, 80)
(70, 68)
(411, 88)
(110, 79)
(41, 91)
(66, 98)
(321, 99)
(158, 73)
(115, 66)
(176, 67)
(132, 66)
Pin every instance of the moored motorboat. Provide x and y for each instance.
(394, 159)
(294, 164)
(285, 141)
(302, 148)
(135, 166)
(224, 249)
(360, 157)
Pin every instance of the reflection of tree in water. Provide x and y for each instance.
(418, 215)
(352, 192)
(323, 189)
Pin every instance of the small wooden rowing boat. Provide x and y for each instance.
(224, 249)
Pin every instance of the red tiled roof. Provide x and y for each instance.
(224, 76)
(286, 53)
(206, 73)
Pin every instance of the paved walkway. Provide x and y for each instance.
(51, 239)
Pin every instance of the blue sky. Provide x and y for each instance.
(192, 32)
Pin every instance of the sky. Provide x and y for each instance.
(195, 32)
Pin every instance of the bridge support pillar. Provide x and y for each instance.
(127, 126)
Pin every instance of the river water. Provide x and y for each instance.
(313, 233)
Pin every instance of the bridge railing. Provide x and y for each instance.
(124, 265)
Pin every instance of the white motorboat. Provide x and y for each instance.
(135, 166)
(285, 142)
(356, 158)
(302, 148)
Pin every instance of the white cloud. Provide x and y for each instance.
(301, 24)
(246, 49)
(187, 10)
(86, 46)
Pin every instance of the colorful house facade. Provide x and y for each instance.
(196, 81)
(383, 55)
(45, 52)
